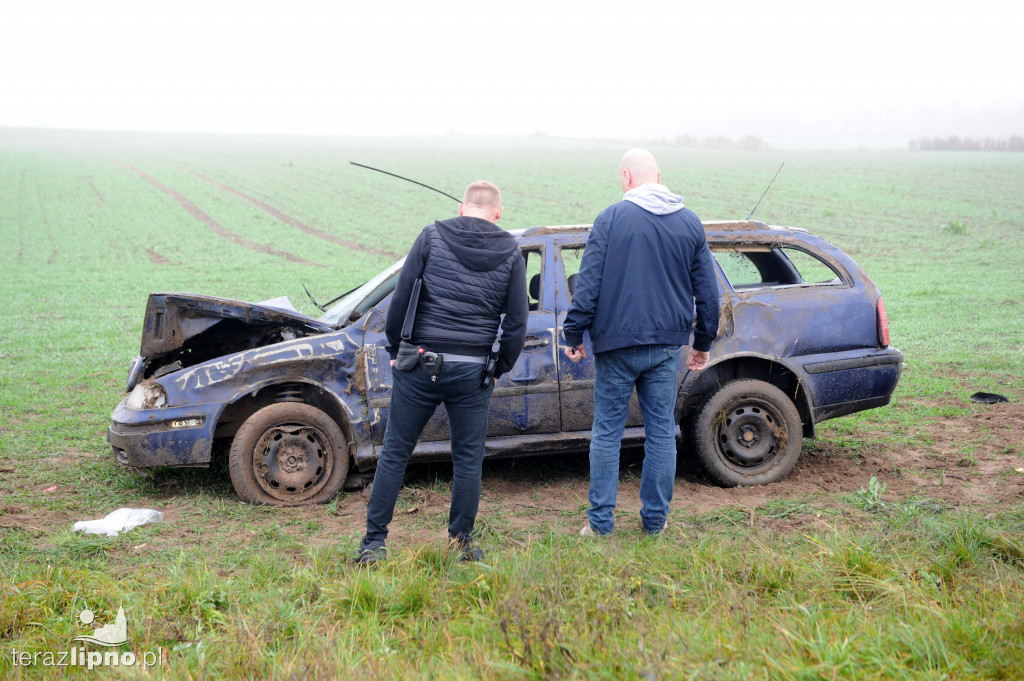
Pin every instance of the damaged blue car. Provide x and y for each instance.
(301, 403)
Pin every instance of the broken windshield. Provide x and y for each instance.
(350, 307)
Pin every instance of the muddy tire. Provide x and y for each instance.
(747, 433)
(288, 454)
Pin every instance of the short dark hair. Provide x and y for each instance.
(482, 193)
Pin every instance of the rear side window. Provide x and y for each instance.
(572, 257)
(534, 258)
(759, 267)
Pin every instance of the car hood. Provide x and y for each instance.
(175, 323)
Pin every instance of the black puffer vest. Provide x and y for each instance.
(459, 308)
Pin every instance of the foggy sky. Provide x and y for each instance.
(786, 71)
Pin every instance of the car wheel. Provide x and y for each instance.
(747, 433)
(288, 454)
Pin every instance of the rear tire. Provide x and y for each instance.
(747, 433)
(288, 454)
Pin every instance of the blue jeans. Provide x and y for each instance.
(652, 369)
(414, 398)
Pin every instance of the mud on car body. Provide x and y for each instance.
(803, 337)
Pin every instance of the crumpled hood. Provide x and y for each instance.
(173, 320)
(478, 244)
(655, 198)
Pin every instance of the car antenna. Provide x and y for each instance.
(766, 190)
(407, 180)
(310, 296)
(323, 308)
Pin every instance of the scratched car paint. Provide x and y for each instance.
(303, 402)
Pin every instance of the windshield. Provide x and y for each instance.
(340, 313)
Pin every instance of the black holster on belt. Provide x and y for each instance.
(410, 356)
(431, 363)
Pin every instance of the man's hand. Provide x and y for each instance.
(393, 362)
(575, 353)
(697, 360)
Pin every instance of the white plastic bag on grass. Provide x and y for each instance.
(123, 519)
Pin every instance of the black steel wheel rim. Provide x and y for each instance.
(292, 462)
(750, 435)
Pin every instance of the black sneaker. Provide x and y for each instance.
(464, 549)
(471, 555)
(371, 554)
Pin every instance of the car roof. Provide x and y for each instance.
(710, 226)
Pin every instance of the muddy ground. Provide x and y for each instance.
(974, 460)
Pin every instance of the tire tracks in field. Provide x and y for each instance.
(46, 221)
(289, 220)
(217, 228)
(95, 191)
(156, 258)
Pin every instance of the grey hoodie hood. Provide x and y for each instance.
(655, 198)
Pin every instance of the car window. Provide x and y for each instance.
(571, 258)
(534, 258)
(812, 270)
(348, 308)
(760, 266)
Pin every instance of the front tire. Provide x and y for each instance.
(747, 433)
(288, 454)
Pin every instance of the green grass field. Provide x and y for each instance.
(915, 575)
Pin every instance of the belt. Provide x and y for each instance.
(449, 357)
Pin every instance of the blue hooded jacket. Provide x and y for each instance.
(646, 270)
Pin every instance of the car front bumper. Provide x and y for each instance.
(168, 436)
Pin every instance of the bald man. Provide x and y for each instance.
(646, 269)
(473, 279)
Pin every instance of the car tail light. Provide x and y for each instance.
(883, 323)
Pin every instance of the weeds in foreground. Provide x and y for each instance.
(870, 499)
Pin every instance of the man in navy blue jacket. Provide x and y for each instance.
(646, 270)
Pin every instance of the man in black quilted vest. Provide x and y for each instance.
(473, 274)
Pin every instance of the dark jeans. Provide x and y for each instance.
(413, 401)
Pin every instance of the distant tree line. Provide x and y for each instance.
(955, 143)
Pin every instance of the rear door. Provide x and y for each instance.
(577, 378)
